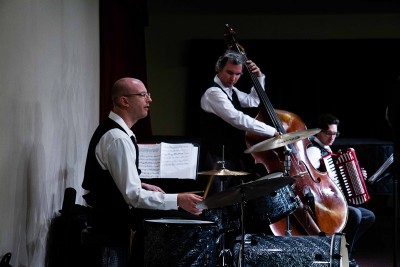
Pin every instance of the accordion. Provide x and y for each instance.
(343, 169)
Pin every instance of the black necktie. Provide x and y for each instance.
(137, 154)
(235, 100)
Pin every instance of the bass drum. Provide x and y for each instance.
(178, 242)
(263, 211)
(295, 251)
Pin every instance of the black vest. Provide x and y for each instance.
(216, 133)
(324, 152)
(103, 193)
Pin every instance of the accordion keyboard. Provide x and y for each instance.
(344, 170)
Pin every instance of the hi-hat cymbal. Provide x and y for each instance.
(250, 190)
(223, 172)
(282, 140)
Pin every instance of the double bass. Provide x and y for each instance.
(322, 208)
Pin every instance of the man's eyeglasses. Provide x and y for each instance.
(331, 133)
(146, 94)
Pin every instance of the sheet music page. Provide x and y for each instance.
(149, 160)
(178, 161)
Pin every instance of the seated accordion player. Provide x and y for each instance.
(344, 170)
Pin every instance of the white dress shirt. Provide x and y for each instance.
(116, 153)
(314, 153)
(215, 101)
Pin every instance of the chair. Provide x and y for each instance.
(64, 251)
(113, 247)
(63, 246)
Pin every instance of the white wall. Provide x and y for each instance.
(49, 95)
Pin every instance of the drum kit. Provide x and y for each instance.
(240, 195)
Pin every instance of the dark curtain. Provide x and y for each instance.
(122, 50)
(349, 78)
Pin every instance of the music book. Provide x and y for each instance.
(168, 160)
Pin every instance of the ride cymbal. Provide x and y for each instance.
(223, 172)
(282, 140)
(250, 190)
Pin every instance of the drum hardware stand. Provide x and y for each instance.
(238, 194)
(222, 173)
(223, 251)
(240, 262)
(287, 152)
(395, 206)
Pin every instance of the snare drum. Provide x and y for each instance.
(294, 251)
(179, 242)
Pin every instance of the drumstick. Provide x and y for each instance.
(208, 186)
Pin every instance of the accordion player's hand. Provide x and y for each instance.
(364, 173)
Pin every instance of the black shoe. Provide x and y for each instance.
(353, 263)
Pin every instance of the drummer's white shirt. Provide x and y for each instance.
(116, 153)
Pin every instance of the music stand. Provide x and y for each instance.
(377, 177)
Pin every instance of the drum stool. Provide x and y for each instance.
(112, 248)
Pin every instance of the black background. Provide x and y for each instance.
(348, 78)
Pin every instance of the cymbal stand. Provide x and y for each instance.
(241, 257)
(223, 251)
(287, 152)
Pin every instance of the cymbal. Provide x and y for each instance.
(223, 172)
(282, 140)
(253, 189)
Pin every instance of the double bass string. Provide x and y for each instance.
(263, 97)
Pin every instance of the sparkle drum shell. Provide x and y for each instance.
(293, 251)
(178, 242)
(272, 207)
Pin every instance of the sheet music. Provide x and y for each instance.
(167, 160)
(149, 160)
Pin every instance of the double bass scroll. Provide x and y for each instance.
(323, 207)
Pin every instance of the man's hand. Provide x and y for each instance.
(151, 187)
(364, 173)
(188, 202)
(253, 68)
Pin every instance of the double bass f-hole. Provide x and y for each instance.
(327, 212)
(316, 180)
